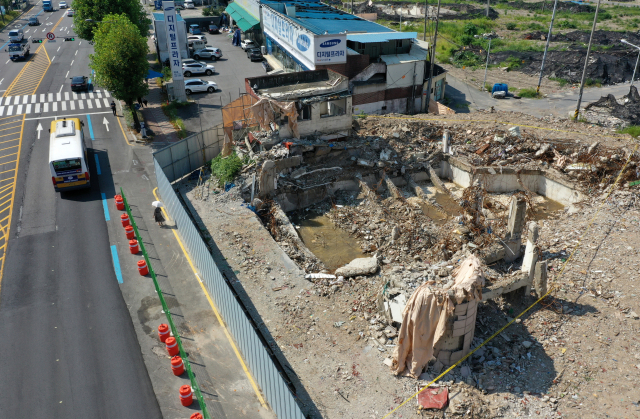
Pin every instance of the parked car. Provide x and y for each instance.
(33, 21)
(254, 54)
(197, 38)
(197, 68)
(188, 4)
(71, 12)
(62, 5)
(208, 52)
(79, 83)
(214, 29)
(267, 67)
(197, 85)
(194, 29)
(246, 44)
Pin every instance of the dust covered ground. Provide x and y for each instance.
(575, 355)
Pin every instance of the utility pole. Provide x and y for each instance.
(486, 66)
(586, 62)
(487, 8)
(351, 6)
(426, 12)
(432, 58)
(546, 47)
(624, 41)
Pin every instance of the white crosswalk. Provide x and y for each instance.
(53, 102)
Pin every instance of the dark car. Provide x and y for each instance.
(33, 21)
(79, 83)
(254, 54)
(214, 29)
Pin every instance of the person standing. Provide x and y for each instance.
(113, 107)
(140, 102)
(157, 215)
(145, 102)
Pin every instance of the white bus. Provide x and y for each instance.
(68, 155)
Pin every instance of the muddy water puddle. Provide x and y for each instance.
(545, 208)
(332, 245)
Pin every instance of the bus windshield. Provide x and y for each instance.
(68, 166)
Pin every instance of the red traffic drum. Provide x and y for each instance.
(172, 346)
(196, 415)
(143, 269)
(163, 332)
(186, 395)
(131, 234)
(177, 366)
(119, 202)
(133, 246)
(125, 220)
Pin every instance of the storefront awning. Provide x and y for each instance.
(241, 17)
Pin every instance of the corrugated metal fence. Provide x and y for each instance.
(191, 153)
(255, 355)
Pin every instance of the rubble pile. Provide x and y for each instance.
(608, 112)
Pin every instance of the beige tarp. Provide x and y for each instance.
(264, 111)
(425, 317)
(236, 115)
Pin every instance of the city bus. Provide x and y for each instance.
(68, 155)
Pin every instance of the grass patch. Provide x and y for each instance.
(529, 92)
(592, 83)
(8, 17)
(561, 81)
(632, 130)
(171, 110)
(226, 168)
(128, 115)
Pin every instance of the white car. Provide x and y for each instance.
(247, 44)
(197, 68)
(62, 5)
(70, 12)
(197, 85)
(197, 38)
(208, 52)
(189, 5)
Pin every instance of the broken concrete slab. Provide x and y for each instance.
(434, 398)
(360, 266)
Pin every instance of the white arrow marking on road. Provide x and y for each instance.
(106, 123)
(39, 129)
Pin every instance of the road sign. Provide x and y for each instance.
(51, 36)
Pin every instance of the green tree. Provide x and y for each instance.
(90, 12)
(7, 7)
(120, 60)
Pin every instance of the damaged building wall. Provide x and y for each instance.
(322, 122)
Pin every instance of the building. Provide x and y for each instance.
(245, 14)
(321, 98)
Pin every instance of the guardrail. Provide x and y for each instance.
(165, 308)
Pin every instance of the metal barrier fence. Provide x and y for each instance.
(165, 308)
(254, 353)
(191, 153)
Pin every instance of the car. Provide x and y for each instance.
(254, 54)
(214, 29)
(197, 38)
(247, 43)
(197, 85)
(190, 61)
(71, 12)
(197, 68)
(208, 52)
(79, 83)
(189, 4)
(33, 21)
(62, 5)
(194, 29)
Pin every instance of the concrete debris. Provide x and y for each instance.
(357, 267)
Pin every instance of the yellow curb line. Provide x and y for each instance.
(215, 310)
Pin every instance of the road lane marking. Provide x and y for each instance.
(64, 116)
(116, 263)
(5, 223)
(97, 163)
(90, 127)
(105, 206)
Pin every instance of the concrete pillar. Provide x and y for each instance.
(531, 251)
(446, 141)
(267, 181)
(513, 240)
(540, 278)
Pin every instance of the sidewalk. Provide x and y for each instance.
(228, 391)
(155, 119)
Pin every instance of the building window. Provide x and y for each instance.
(398, 43)
(333, 108)
(304, 112)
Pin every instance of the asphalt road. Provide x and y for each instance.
(69, 350)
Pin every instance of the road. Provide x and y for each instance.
(70, 350)
(559, 105)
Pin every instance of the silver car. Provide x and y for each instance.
(208, 52)
(197, 68)
(197, 85)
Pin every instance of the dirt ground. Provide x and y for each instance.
(575, 355)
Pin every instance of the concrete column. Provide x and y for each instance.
(266, 183)
(531, 251)
(540, 278)
(446, 141)
(513, 240)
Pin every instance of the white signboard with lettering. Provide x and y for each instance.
(170, 20)
(310, 49)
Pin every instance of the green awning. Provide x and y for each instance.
(241, 17)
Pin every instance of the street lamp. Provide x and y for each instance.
(490, 37)
(624, 41)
